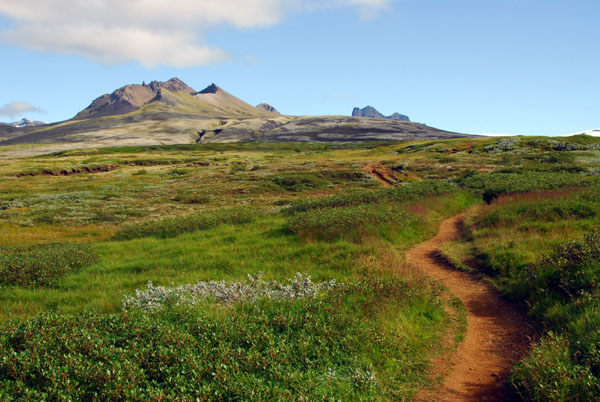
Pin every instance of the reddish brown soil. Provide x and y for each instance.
(497, 332)
(380, 172)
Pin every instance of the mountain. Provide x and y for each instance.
(25, 123)
(172, 112)
(593, 133)
(267, 107)
(373, 113)
(170, 96)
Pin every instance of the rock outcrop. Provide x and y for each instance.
(130, 98)
(373, 113)
(268, 108)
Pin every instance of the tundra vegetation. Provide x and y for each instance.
(276, 271)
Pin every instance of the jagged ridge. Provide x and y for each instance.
(373, 113)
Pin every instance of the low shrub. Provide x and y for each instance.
(298, 181)
(157, 297)
(192, 197)
(333, 347)
(347, 175)
(350, 223)
(405, 192)
(237, 166)
(572, 270)
(542, 210)
(492, 185)
(503, 145)
(549, 374)
(174, 226)
(562, 291)
(42, 265)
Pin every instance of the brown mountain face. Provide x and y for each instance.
(268, 108)
(130, 98)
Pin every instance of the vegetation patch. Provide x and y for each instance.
(515, 241)
(351, 223)
(157, 297)
(41, 265)
(174, 226)
(298, 181)
(404, 192)
(333, 347)
(493, 185)
(69, 171)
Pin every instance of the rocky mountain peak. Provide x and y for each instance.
(131, 97)
(174, 85)
(211, 89)
(267, 107)
(25, 123)
(371, 112)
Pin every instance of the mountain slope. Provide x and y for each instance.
(172, 112)
(173, 96)
(129, 98)
(321, 129)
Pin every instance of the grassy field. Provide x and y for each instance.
(177, 230)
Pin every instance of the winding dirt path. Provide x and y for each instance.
(497, 333)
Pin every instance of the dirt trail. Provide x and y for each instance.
(379, 172)
(497, 333)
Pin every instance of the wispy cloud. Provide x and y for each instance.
(152, 32)
(17, 108)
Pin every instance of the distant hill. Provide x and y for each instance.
(372, 113)
(172, 112)
(25, 123)
(593, 133)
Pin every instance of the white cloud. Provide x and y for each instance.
(17, 108)
(152, 32)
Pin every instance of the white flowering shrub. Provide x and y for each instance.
(156, 297)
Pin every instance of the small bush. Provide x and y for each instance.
(549, 374)
(299, 181)
(572, 270)
(540, 210)
(238, 166)
(503, 145)
(347, 222)
(157, 297)
(493, 185)
(177, 172)
(331, 347)
(192, 197)
(42, 264)
(174, 226)
(405, 192)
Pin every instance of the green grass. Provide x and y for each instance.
(224, 252)
(176, 215)
(174, 226)
(403, 193)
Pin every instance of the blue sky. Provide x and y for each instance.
(473, 66)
